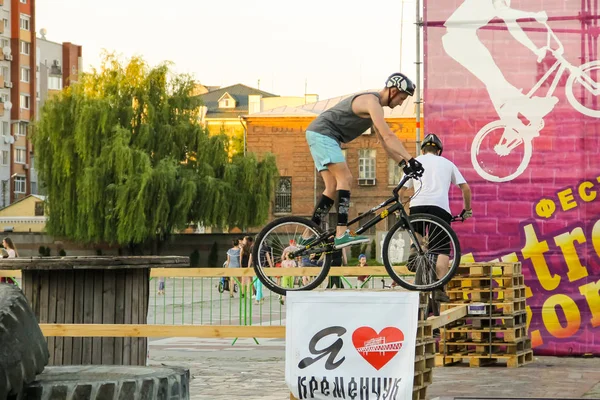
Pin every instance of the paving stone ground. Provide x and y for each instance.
(248, 370)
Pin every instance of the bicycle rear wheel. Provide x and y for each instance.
(276, 241)
(429, 269)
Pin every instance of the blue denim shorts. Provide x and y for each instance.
(324, 150)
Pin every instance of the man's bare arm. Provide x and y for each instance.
(466, 193)
(369, 104)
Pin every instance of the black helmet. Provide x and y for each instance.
(432, 140)
(401, 82)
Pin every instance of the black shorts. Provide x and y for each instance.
(439, 241)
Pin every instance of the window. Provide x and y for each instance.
(20, 183)
(39, 207)
(4, 97)
(23, 1)
(21, 128)
(20, 155)
(226, 101)
(25, 100)
(25, 74)
(5, 128)
(366, 163)
(34, 188)
(5, 156)
(55, 83)
(25, 48)
(31, 162)
(6, 74)
(25, 22)
(283, 195)
(394, 173)
(5, 23)
(4, 42)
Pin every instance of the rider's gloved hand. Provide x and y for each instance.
(466, 214)
(412, 167)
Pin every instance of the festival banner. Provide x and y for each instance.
(512, 89)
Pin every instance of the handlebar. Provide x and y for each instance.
(405, 178)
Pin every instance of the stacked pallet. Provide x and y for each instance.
(424, 352)
(495, 327)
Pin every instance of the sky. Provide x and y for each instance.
(326, 47)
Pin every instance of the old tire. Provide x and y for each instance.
(105, 382)
(23, 349)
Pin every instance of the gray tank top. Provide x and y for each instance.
(340, 123)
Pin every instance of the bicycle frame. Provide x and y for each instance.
(561, 64)
(396, 207)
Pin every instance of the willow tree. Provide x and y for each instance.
(123, 159)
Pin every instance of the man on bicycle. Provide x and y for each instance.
(343, 123)
(432, 195)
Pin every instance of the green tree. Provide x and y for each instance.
(123, 159)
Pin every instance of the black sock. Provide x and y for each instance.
(322, 209)
(343, 206)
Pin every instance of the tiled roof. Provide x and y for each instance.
(239, 92)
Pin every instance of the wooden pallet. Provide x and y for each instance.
(474, 282)
(480, 360)
(423, 378)
(424, 330)
(485, 294)
(505, 307)
(419, 393)
(425, 362)
(425, 347)
(499, 320)
(485, 334)
(489, 269)
(483, 348)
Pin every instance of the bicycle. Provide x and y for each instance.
(225, 285)
(407, 252)
(486, 146)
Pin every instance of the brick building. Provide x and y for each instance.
(281, 131)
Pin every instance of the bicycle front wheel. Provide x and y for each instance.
(426, 269)
(272, 250)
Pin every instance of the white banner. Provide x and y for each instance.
(351, 345)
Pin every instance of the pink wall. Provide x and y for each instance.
(547, 213)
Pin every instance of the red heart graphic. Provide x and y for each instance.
(377, 348)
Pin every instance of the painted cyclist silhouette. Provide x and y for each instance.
(509, 139)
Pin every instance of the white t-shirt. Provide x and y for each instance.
(435, 182)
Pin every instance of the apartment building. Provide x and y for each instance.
(6, 138)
